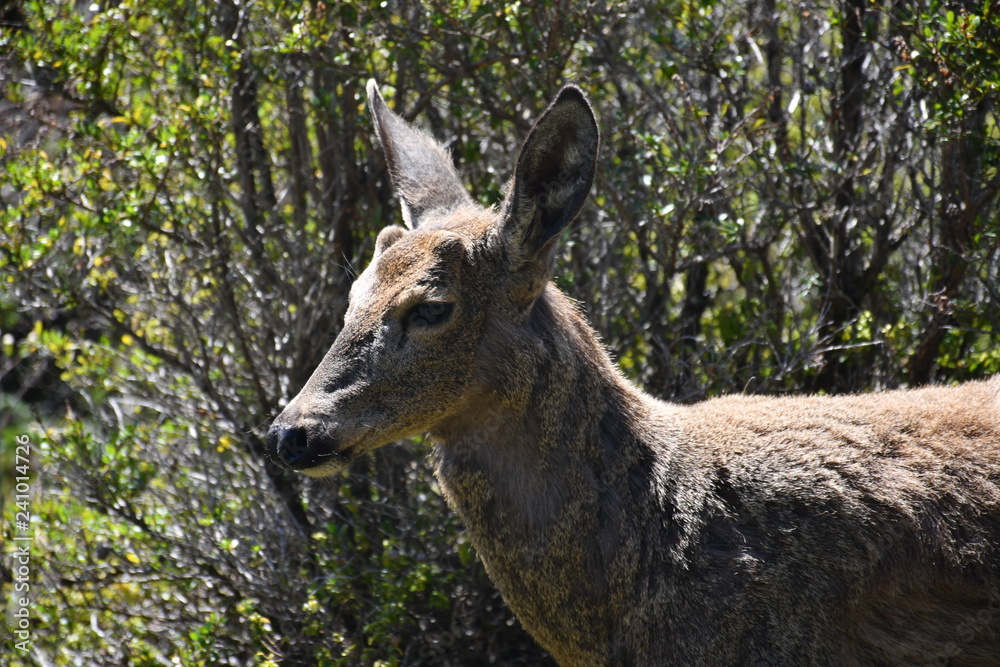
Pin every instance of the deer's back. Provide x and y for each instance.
(837, 530)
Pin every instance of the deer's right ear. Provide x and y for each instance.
(419, 167)
(552, 179)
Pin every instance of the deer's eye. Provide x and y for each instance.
(429, 312)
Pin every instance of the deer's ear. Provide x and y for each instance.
(419, 167)
(553, 175)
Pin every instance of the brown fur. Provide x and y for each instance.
(623, 530)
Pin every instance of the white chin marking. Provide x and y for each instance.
(325, 470)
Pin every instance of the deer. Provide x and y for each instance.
(621, 529)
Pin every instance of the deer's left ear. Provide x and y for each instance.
(553, 175)
(420, 167)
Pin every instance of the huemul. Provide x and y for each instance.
(621, 529)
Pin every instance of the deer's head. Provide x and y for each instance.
(432, 318)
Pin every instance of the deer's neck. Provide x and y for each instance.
(548, 464)
(554, 418)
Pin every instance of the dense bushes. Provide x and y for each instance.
(791, 197)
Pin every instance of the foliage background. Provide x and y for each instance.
(791, 196)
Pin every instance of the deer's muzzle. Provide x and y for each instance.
(304, 446)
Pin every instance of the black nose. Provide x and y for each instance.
(287, 445)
